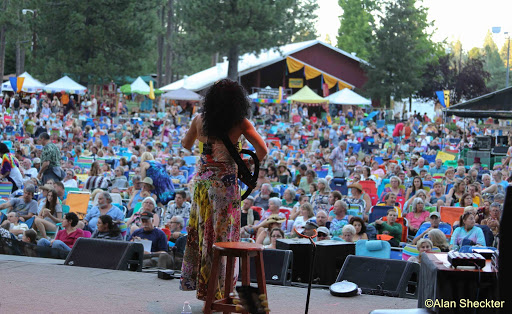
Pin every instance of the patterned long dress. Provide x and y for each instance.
(164, 188)
(214, 217)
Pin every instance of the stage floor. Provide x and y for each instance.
(36, 285)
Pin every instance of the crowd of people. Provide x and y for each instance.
(331, 177)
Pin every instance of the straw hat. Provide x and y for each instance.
(149, 181)
(357, 186)
(274, 218)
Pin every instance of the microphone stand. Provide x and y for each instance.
(311, 266)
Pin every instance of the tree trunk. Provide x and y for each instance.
(233, 54)
(18, 58)
(2, 52)
(160, 48)
(168, 44)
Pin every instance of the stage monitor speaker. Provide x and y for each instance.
(330, 256)
(502, 140)
(499, 151)
(378, 276)
(278, 267)
(483, 143)
(107, 254)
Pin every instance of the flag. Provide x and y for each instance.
(280, 95)
(440, 96)
(447, 98)
(151, 91)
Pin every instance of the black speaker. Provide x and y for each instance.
(278, 267)
(483, 143)
(378, 276)
(330, 256)
(107, 254)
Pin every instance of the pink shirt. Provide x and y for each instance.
(416, 222)
(69, 239)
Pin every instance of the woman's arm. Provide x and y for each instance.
(254, 138)
(261, 237)
(191, 136)
(143, 167)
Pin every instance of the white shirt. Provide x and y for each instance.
(30, 173)
(70, 183)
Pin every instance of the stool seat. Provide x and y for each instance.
(233, 250)
(238, 246)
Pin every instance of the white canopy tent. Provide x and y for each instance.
(182, 94)
(65, 84)
(139, 87)
(30, 85)
(348, 97)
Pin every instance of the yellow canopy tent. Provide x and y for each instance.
(306, 96)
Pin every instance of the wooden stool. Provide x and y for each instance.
(231, 250)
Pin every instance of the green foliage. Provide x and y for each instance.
(96, 40)
(493, 64)
(355, 32)
(401, 51)
(241, 26)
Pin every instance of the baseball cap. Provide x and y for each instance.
(146, 215)
(323, 230)
(434, 214)
(311, 225)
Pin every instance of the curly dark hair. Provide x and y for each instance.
(225, 105)
(361, 221)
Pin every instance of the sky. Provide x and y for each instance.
(467, 20)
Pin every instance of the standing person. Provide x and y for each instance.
(50, 161)
(164, 188)
(337, 160)
(215, 212)
(10, 168)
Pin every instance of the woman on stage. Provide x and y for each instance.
(215, 212)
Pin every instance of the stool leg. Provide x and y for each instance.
(246, 271)
(260, 273)
(229, 276)
(212, 282)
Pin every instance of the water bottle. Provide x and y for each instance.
(186, 308)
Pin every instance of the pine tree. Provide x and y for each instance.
(355, 32)
(402, 50)
(493, 64)
(239, 26)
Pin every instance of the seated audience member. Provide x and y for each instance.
(66, 238)
(437, 197)
(24, 206)
(306, 214)
(15, 226)
(119, 181)
(289, 198)
(176, 176)
(360, 197)
(148, 206)
(174, 228)
(438, 239)
(50, 214)
(146, 188)
(493, 221)
(271, 222)
(69, 181)
(322, 220)
(360, 227)
(323, 234)
(340, 219)
(390, 227)
(261, 200)
(466, 200)
(180, 207)
(158, 242)
(29, 236)
(320, 199)
(467, 233)
(423, 246)
(275, 234)
(104, 207)
(273, 208)
(249, 218)
(394, 187)
(296, 209)
(434, 222)
(390, 200)
(95, 178)
(347, 233)
(61, 192)
(107, 229)
(29, 172)
(417, 216)
(333, 197)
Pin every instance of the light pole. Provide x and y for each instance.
(34, 35)
(497, 30)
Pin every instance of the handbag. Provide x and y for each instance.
(244, 174)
